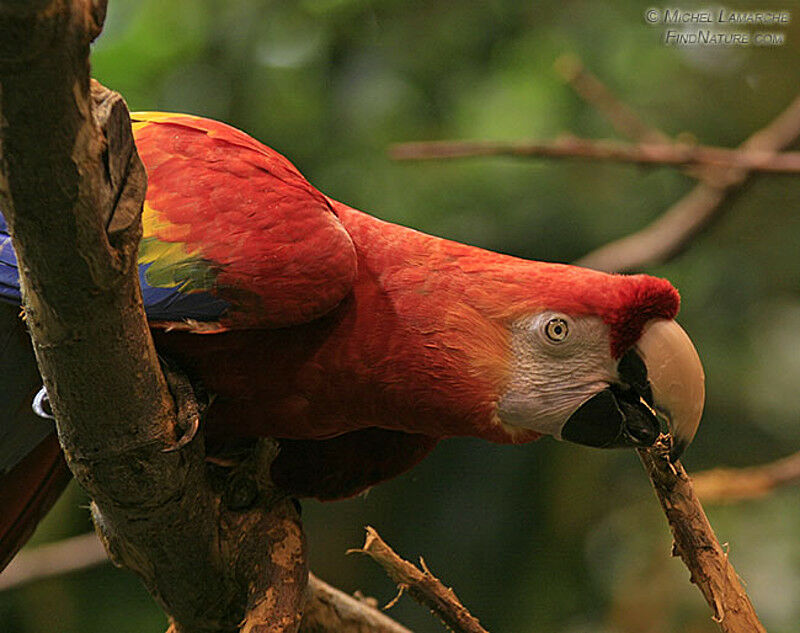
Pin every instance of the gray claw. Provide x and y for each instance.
(41, 405)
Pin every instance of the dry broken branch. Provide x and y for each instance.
(422, 585)
(697, 545)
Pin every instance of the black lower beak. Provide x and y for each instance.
(612, 420)
(616, 417)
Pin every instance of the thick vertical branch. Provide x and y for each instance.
(72, 188)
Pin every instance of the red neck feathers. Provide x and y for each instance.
(503, 288)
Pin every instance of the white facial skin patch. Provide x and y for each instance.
(558, 362)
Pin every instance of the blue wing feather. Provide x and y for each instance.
(9, 276)
(160, 304)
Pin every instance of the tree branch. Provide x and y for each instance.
(672, 232)
(71, 188)
(697, 545)
(327, 610)
(728, 485)
(423, 586)
(54, 559)
(643, 154)
(722, 171)
(676, 228)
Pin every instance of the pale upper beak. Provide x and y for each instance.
(676, 379)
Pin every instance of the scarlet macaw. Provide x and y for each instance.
(359, 343)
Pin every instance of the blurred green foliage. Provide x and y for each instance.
(546, 537)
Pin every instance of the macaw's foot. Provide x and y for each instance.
(187, 403)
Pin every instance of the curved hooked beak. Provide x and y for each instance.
(676, 379)
(660, 376)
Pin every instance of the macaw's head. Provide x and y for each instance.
(599, 360)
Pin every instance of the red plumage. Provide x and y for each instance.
(420, 345)
(414, 335)
(358, 343)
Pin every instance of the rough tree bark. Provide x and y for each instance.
(220, 552)
(697, 544)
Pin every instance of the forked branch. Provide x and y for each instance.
(672, 232)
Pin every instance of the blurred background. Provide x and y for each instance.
(545, 537)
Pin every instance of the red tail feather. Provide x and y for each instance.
(27, 493)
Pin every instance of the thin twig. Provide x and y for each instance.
(625, 121)
(645, 154)
(423, 586)
(697, 545)
(728, 485)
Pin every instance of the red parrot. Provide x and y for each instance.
(358, 343)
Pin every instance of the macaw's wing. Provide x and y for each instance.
(232, 231)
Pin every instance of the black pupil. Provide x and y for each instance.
(557, 329)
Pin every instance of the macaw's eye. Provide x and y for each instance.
(556, 330)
